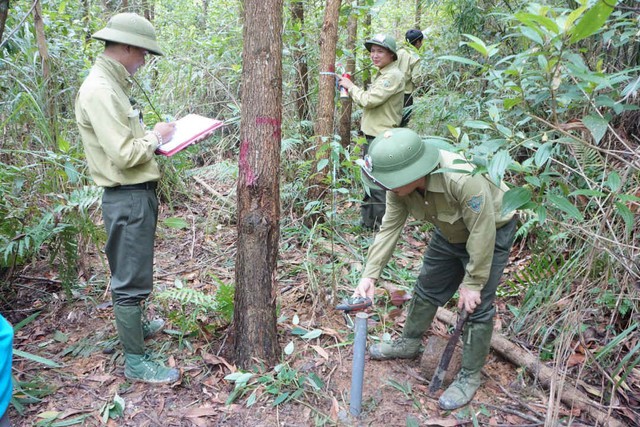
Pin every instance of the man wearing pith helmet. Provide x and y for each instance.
(120, 156)
(467, 251)
(381, 110)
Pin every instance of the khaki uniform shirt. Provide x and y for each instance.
(465, 208)
(409, 64)
(382, 102)
(118, 149)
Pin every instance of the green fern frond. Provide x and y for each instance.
(188, 296)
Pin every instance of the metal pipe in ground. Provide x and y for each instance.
(357, 371)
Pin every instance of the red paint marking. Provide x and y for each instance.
(277, 132)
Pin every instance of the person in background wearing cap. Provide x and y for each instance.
(409, 63)
(120, 156)
(382, 110)
(467, 251)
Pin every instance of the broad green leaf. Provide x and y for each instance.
(281, 398)
(298, 331)
(460, 59)
(613, 181)
(498, 164)
(596, 125)
(509, 103)
(322, 164)
(541, 212)
(455, 132)
(568, 23)
(543, 153)
(36, 358)
(312, 334)
(178, 223)
(530, 19)
(590, 193)
(477, 124)
(288, 350)
(514, 199)
(252, 399)
(565, 206)
(593, 20)
(479, 47)
(627, 216)
(531, 34)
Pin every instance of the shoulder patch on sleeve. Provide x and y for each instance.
(475, 203)
(386, 83)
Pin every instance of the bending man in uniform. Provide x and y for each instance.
(120, 156)
(382, 110)
(467, 252)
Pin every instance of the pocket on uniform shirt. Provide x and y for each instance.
(135, 123)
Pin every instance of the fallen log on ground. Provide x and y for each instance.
(569, 394)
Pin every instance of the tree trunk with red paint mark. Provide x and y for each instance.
(324, 126)
(254, 318)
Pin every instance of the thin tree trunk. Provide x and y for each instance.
(366, 73)
(86, 18)
(4, 12)
(46, 70)
(324, 128)
(570, 395)
(147, 7)
(301, 92)
(350, 67)
(418, 14)
(258, 191)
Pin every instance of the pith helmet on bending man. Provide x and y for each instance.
(120, 154)
(466, 212)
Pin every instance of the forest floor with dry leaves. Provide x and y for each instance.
(88, 385)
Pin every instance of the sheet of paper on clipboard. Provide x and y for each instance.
(190, 129)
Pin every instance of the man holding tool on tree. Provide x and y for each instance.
(382, 110)
(467, 252)
(120, 156)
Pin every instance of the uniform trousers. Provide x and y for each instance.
(130, 214)
(443, 269)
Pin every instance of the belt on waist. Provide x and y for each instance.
(151, 185)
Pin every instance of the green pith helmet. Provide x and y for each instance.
(130, 29)
(384, 40)
(397, 157)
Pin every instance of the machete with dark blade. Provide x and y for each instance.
(441, 370)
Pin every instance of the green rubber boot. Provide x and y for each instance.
(138, 366)
(476, 345)
(151, 327)
(419, 318)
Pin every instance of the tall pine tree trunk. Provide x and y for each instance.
(350, 67)
(4, 12)
(49, 97)
(258, 185)
(324, 129)
(301, 92)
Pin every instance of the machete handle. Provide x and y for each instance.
(354, 304)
